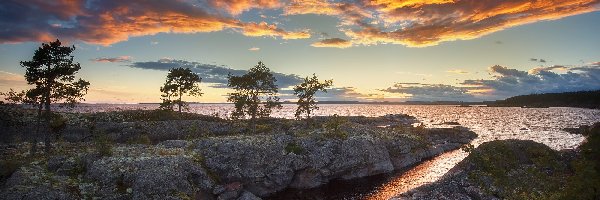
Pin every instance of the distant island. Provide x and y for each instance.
(581, 99)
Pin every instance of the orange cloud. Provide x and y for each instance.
(413, 23)
(349, 13)
(264, 29)
(388, 5)
(439, 21)
(319, 7)
(333, 42)
(111, 21)
(236, 7)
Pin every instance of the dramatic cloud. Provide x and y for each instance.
(431, 92)
(120, 59)
(333, 42)
(236, 7)
(414, 23)
(426, 23)
(110, 21)
(217, 75)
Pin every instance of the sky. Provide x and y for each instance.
(374, 50)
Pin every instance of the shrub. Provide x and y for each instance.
(150, 115)
(263, 128)
(7, 167)
(140, 139)
(333, 127)
(103, 144)
(292, 147)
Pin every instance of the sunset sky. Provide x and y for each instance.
(374, 50)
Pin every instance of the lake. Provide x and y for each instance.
(542, 125)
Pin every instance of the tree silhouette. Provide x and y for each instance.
(253, 89)
(52, 72)
(180, 81)
(306, 92)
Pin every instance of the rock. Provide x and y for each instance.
(34, 182)
(65, 166)
(149, 178)
(232, 191)
(504, 169)
(246, 167)
(174, 144)
(248, 196)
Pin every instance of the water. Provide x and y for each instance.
(542, 125)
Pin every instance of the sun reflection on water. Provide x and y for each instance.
(426, 172)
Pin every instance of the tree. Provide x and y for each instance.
(52, 72)
(253, 89)
(180, 81)
(306, 92)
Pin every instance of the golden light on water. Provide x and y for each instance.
(426, 172)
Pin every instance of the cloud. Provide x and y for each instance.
(457, 71)
(506, 82)
(431, 92)
(217, 75)
(236, 7)
(121, 59)
(264, 29)
(333, 42)
(427, 23)
(537, 60)
(511, 82)
(319, 7)
(537, 70)
(8, 79)
(342, 94)
(111, 21)
(254, 49)
(413, 23)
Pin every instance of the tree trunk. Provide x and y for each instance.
(179, 102)
(47, 116)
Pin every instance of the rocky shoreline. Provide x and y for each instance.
(224, 166)
(521, 169)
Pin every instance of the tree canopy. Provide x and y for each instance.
(52, 72)
(306, 92)
(253, 89)
(180, 81)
